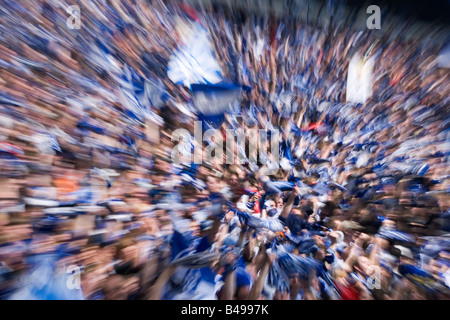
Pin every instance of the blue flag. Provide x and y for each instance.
(44, 282)
(273, 224)
(213, 100)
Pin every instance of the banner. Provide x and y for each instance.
(359, 79)
(194, 60)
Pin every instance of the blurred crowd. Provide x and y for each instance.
(92, 206)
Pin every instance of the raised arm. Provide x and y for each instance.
(288, 206)
(259, 283)
(155, 290)
(229, 288)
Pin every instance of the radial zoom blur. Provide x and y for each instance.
(166, 150)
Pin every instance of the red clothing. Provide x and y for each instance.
(347, 292)
(256, 208)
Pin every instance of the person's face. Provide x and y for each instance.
(233, 181)
(212, 184)
(129, 253)
(162, 165)
(157, 179)
(108, 253)
(320, 255)
(280, 203)
(195, 227)
(315, 283)
(298, 212)
(295, 282)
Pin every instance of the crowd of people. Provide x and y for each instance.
(93, 206)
